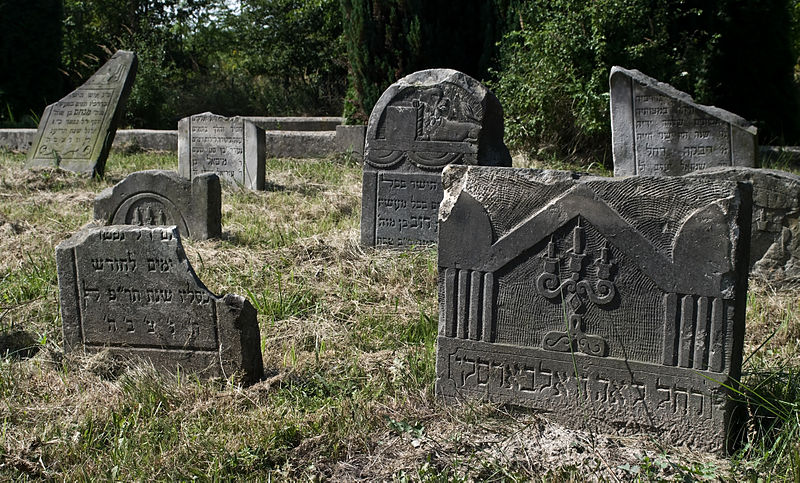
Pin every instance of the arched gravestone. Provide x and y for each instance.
(422, 123)
(658, 130)
(76, 132)
(159, 197)
(131, 291)
(611, 304)
(775, 239)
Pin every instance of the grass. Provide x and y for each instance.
(348, 340)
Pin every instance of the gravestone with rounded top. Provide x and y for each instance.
(658, 130)
(131, 290)
(422, 123)
(231, 147)
(160, 197)
(76, 132)
(610, 304)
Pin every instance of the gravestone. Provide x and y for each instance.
(130, 290)
(159, 197)
(76, 132)
(775, 239)
(232, 147)
(659, 130)
(611, 304)
(423, 122)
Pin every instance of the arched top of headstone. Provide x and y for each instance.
(433, 118)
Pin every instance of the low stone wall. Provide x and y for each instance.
(287, 137)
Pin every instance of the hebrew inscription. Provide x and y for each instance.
(615, 305)
(233, 148)
(76, 132)
(658, 130)
(131, 290)
(422, 123)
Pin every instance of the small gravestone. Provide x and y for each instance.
(232, 147)
(775, 239)
(76, 132)
(130, 290)
(422, 123)
(613, 305)
(158, 197)
(658, 130)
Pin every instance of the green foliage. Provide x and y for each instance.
(553, 74)
(30, 42)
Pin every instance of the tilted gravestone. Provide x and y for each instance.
(76, 132)
(130, 290)
(232, 147)
(159, 197)
(775, 239)
(612, 304)
(659, 130)
(423, 122)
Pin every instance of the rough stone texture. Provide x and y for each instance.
(76, 132)
(131, 290)
(159, 198)
(232, 147)
(659, 130)
(296, 123)
(420, 124)
(350, 139)
(775, 239)
(146, 140)
(300, 144)
(637, 285)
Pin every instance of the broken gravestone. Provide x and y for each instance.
(611, 304)
(130, 290)
(159, 197)
(76, 132)
(775, 231)
(659, 130)
(422, 123)
(232, 147)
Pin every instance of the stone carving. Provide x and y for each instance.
(76, 132)
(659, 130)
(157, 197)
(613, 304)
(131, 290)
(232, 147)
(423, 122)
(775, 239)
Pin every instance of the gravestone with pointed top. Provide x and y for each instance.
(422, 123)
(610, 304)
(130, 290)
(658, 130)
(231, 147)
(76, 132)
(160, 197)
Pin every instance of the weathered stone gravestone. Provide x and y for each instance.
(76, 132)
(423, 122)
(612, 304)
(775, 239)
(232, 147)
(659, 130)
(158, 197)
(131, 290)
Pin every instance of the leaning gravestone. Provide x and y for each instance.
(614, 305)
(232, 147)
(159, 197)
(76, 132)
(131, 290)
(659, 130)
(775, 239)
(423, 122)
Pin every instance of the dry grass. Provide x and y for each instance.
(348, 343)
